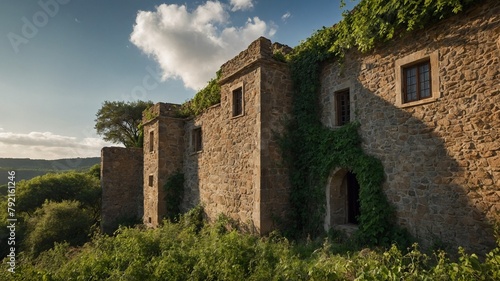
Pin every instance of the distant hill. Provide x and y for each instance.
(26, 168)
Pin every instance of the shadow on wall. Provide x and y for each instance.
(191, 170)
(441, 159)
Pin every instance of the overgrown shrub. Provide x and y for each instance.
(182, 251)
(60, 222)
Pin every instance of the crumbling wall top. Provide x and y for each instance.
(260, 49)
(160, 109)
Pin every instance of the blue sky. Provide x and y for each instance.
(61, 59)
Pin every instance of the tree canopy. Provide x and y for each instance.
(119, 122)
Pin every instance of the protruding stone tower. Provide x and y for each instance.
(121, 183)
(163, 149)
(232, 160)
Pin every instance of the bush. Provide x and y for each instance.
(81, 187)
(54, 222)
(190, 250)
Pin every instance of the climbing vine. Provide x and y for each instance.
(312, 150)
(206, 97)
(174, 193)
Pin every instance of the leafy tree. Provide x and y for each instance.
(119, 122)
(57, 222)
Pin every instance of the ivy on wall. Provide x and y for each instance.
(206, 97)
(174, 193)
(312, 150)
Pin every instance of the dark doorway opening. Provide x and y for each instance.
(353, 210)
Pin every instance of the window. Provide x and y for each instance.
(196, 141)
(151, 141)
(150, 180)
(417, 82)
(238, 102)
(417, 79)
(343, 107)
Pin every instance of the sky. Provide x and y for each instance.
(61, 59)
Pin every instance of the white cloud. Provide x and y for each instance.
(46, 145)
(192, 45)
(286, 16)
(241, 5)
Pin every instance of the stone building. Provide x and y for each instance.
(429, 108)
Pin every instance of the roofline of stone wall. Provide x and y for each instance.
(253, 64)
(163, 117)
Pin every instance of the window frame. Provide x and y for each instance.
(409, 61)
(237, 93)
(151, 180)
(196, 140)
(418, 78)
(151, 141)
(339, 110)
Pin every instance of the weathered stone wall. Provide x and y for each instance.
(442, 158)
(276, 98)
(121, 183)
(234, 174)
(163, 152)
(224, 176)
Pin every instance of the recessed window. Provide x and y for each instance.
(417, 79)
(417, 82)
(196, 141)
(238, 102)
(150, 180)
(343, 107)
(151, 141)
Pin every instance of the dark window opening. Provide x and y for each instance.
(417, 82)
(150, 180)
(343, 107)
(196, 140)
(353, 209)
(151, 141)
(238, 102)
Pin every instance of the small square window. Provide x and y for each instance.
(150, 180)
(417, 82)
(196, 140)
(238, 102)
(417, 79)
(151, 141)
(343, 107)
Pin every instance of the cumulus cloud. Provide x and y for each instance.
(192, 45)
(46, 145)
(241, 5)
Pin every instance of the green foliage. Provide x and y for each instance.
(179, 251)
(119, 122)
(206, 97)
(95, 171)
(56, 188)
(375, 21)
(54, 222)
(174, 192)
(81, 187)
(312, 150)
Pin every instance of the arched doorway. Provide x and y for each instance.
(342, 199)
